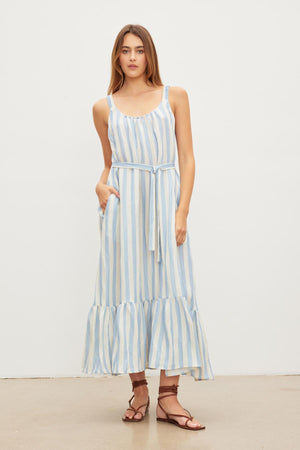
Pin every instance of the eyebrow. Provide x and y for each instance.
(137, 46)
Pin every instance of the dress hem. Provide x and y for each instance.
(184, 371)
(150, 334)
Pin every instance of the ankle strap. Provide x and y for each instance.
(137, 383)
(172, 388)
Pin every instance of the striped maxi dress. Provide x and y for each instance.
(145, 313)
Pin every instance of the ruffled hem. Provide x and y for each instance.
(162, 333)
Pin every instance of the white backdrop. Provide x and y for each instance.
(239, 63)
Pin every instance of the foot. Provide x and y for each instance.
(172, 405)
(140, 398)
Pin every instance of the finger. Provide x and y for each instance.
(181, 238)
(114, 191)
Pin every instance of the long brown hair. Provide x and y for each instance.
(152, 70)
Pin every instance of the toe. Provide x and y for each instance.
(193, 423)
(196, 424)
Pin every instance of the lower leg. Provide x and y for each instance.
(167, 381)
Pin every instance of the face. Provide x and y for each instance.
(132, 58)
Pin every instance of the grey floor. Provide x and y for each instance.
(240, 413)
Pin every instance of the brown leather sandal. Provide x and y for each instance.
(132, 408)
(173, 389)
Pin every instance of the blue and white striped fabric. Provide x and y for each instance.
(145, 313)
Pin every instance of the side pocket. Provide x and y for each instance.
(103, 214)
(100, 217)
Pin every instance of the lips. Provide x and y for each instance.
(132, 66)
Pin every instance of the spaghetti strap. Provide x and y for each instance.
(110, 101)
(166, 92)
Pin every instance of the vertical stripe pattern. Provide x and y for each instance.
(145, 312)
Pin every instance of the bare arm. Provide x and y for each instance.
(100, 117)
(186, 161)
(100, 122)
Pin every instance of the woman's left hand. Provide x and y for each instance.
(180, 226)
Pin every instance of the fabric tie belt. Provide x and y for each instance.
(154, 219)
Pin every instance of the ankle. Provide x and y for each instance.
(167, 400)
(140, 390)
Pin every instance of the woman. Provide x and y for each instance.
(145, 313)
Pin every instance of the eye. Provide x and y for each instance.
(142, 51)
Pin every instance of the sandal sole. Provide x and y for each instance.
(174, 422)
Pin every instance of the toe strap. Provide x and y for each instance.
(129, 401)
(136, 409)
(190, 418)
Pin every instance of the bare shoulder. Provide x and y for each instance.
(101, 110)
(178, 97)
(178, 91)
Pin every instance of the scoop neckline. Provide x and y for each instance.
(144, 115)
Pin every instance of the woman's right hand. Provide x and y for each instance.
(103, 192)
